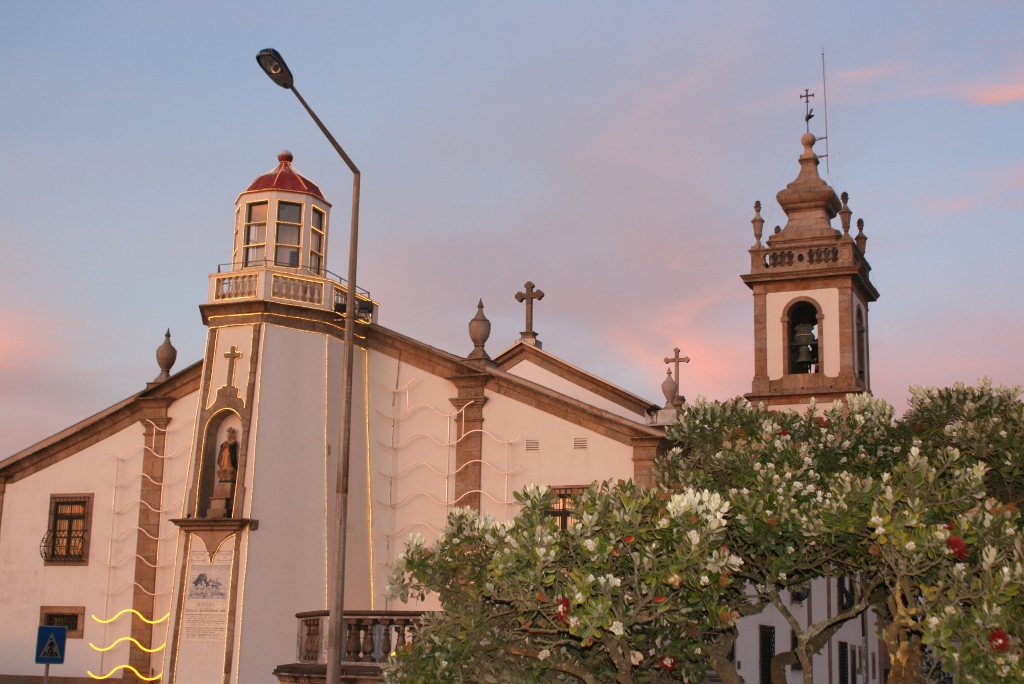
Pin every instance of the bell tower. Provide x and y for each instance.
(811, 294)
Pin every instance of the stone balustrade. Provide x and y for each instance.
(301, 289)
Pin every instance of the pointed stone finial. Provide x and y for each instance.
(166, 355)
(479, 331)
(670, 388)
(758, 223)
(844, 213)
(861, 239)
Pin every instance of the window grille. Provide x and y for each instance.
(844, 663)
(71, 617)
(767, 652)
(845, 594)
(67, 536)
(562, 508)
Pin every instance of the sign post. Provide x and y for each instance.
(50, 642)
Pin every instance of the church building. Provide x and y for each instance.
(185, 533)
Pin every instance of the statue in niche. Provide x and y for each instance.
(227, 461)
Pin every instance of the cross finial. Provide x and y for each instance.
(676, 360)
(528, 336)
(232, 356)
(808, 112)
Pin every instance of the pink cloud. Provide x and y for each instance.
(997, 94)
(955, 204)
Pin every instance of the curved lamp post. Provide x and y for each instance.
(273, 64)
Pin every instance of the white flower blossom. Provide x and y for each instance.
(589, 544)
(544, 655)
(617, 629)
(704, 581)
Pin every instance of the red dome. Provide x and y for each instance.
(284, 178)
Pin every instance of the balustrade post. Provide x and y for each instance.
(368, 641)
(352, 652)
(385, 640)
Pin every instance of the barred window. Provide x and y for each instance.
(562, 508)
(72, 617)
(66, 541)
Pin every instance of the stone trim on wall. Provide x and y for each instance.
(469, 438)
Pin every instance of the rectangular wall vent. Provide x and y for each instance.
(579, 443)
(533, 445)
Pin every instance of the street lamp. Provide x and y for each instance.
(273, 64)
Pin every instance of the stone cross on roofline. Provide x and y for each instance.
(676, 359)
(528, 336)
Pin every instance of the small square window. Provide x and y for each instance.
(72, 617)
(66, 541)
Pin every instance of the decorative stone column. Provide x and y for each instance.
(469, 447)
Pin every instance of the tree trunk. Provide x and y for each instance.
(779, 663)
(718, 654)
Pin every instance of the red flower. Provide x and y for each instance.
(958, 547)
(629, 539)
(784, 433)
(562, 611)
(615, 551)
(999, 640)
(666, 663)
(949, 526)
(659, 599)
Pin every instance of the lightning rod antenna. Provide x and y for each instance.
(824, 98)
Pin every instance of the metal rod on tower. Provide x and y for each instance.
(824, 101)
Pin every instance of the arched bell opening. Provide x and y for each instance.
(802, 338)
(220, 465)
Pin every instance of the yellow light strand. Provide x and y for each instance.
(369, 488)
(131, 610)
(126, 667)
(133, 640)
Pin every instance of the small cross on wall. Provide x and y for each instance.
(528, 336)
(232, 356)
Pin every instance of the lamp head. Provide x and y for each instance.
(272, 63)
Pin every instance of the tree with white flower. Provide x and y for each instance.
(797, 485)
(616, 597)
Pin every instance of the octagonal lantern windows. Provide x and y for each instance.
(280, 243)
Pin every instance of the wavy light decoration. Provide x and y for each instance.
(454, 472)
(448, 444)
(158, 484)
(131, 639)
(142, 588)
(137, 614)
(126, 667)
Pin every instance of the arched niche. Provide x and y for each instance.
(802, 327)
(221, 463)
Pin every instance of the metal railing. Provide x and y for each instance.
(298, 270)
(63, 546)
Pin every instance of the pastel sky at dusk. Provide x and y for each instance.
(609, 152)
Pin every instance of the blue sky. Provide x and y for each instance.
(609, 152)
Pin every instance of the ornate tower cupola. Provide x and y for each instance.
(811, 294)
(280, 246)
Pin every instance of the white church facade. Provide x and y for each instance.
(178, 533)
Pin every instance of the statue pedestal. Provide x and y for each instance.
(220, 502)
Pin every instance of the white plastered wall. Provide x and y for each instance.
(413, 428)
(531, 371)
(828, 303)
(287, 454)
(556, 463)
(26, 583)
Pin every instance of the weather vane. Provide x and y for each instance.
(809, 112)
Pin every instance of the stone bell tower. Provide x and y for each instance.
(254, 542)
(811, 294)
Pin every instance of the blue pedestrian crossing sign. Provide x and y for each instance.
(50, 645)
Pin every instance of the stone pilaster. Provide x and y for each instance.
(645, 450)
(469, 447)
(154, 421)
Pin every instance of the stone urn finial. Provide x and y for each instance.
(479, 331)
(844, 213)
(758, 223)
(862, 239)
(670, 388)
(166, 355)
